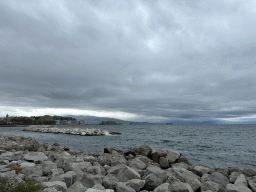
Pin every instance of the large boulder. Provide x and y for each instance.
(136, 164)
(35, 171)
(209, 185)
(241, 180)
(219, 179)
(144, 150)
(136, 184)
(47, 167)
(89, 180)
(36, 157)
(163, 162)
(77, 187)
(180, 187)
(153, 180)
(110, 181)
(249, 172)
(121, 187)
(233, 176)
(252, 185)
(58, 185)
(237, 188)
(172, 156)
(162, 188)
(123, 173)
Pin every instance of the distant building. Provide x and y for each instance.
(108, 123)
(63, 122)
(46, 118)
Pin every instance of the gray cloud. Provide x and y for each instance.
(178, 61)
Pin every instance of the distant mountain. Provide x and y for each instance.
(95, 120)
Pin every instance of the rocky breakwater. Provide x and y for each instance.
(71, 131)
(137, 169)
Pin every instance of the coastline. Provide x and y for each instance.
(137, 169)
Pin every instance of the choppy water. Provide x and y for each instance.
(209, 145)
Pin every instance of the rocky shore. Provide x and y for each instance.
(136, 169)
(71, 131)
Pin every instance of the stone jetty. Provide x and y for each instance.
(137, 169)
(71, 131)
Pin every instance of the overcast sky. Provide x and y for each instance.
(166, 60)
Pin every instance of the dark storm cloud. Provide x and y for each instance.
(179, 61)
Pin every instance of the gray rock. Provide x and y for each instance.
(110, 181)
(184, 160)
(105, 159)
(187, 175)
(202, 169)
(223, 170)
(180, 187)
(97, 190)
(58, 185)
(252, 185)
(172, 156)
(121, 187)
(237, 188)
(98, 186)
(162, 188)
(35, 171)
(50, 189)
(156, 154)
(136, 164)
(27, 164)
(209, 185)
(163, 162)
(176, 174)
(151, 169)
(144, 159)
(153, 180)
(195, 184)
(233, 176)
(47, 167)
(69, 178)
(136, 184)
(77, 187)
(234, 169)
(89, 180)
(36, 157)
(123, 173)
(144, 150)
(181, 165)
(249, 172)
(241, 180)
(96, 170)
(219, 179)
(172, 179)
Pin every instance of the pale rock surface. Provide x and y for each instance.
(237, 188)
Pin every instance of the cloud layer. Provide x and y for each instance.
(176, 61)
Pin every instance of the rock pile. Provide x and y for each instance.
(71, 131)
(137, 169)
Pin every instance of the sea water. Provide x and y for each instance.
(209, 145)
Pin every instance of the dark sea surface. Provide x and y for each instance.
(209, 145)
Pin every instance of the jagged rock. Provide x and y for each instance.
(252, 185)
(184, 160)
(96, 170)
(163, 162)
(77, 187)
(27, 164)
(144, 150)
(172, 156)
(50, 189)
(172, 179)
(35, 171)
(36, 157)
(162, 188)
(219, 179)
(181, 165)
(174, 173)
(241, 180)
(153, 180)
(237, 188)
(209, 185)
(249, 172)
(121, 187)
(89, 180)
(136, 164)
(195, 184)
(98, 186)
(123, 173)
(110, 149)
(144, 159)
(136, 184)
(233, 176)
(69, 178)
(187, 175)
(223, 170)
(58, 185)
(234, 169)
(202, 169)
(97, 190)
(180, 187)
(105, 159)
(156, 154)
(47, 167)
(110, 181)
